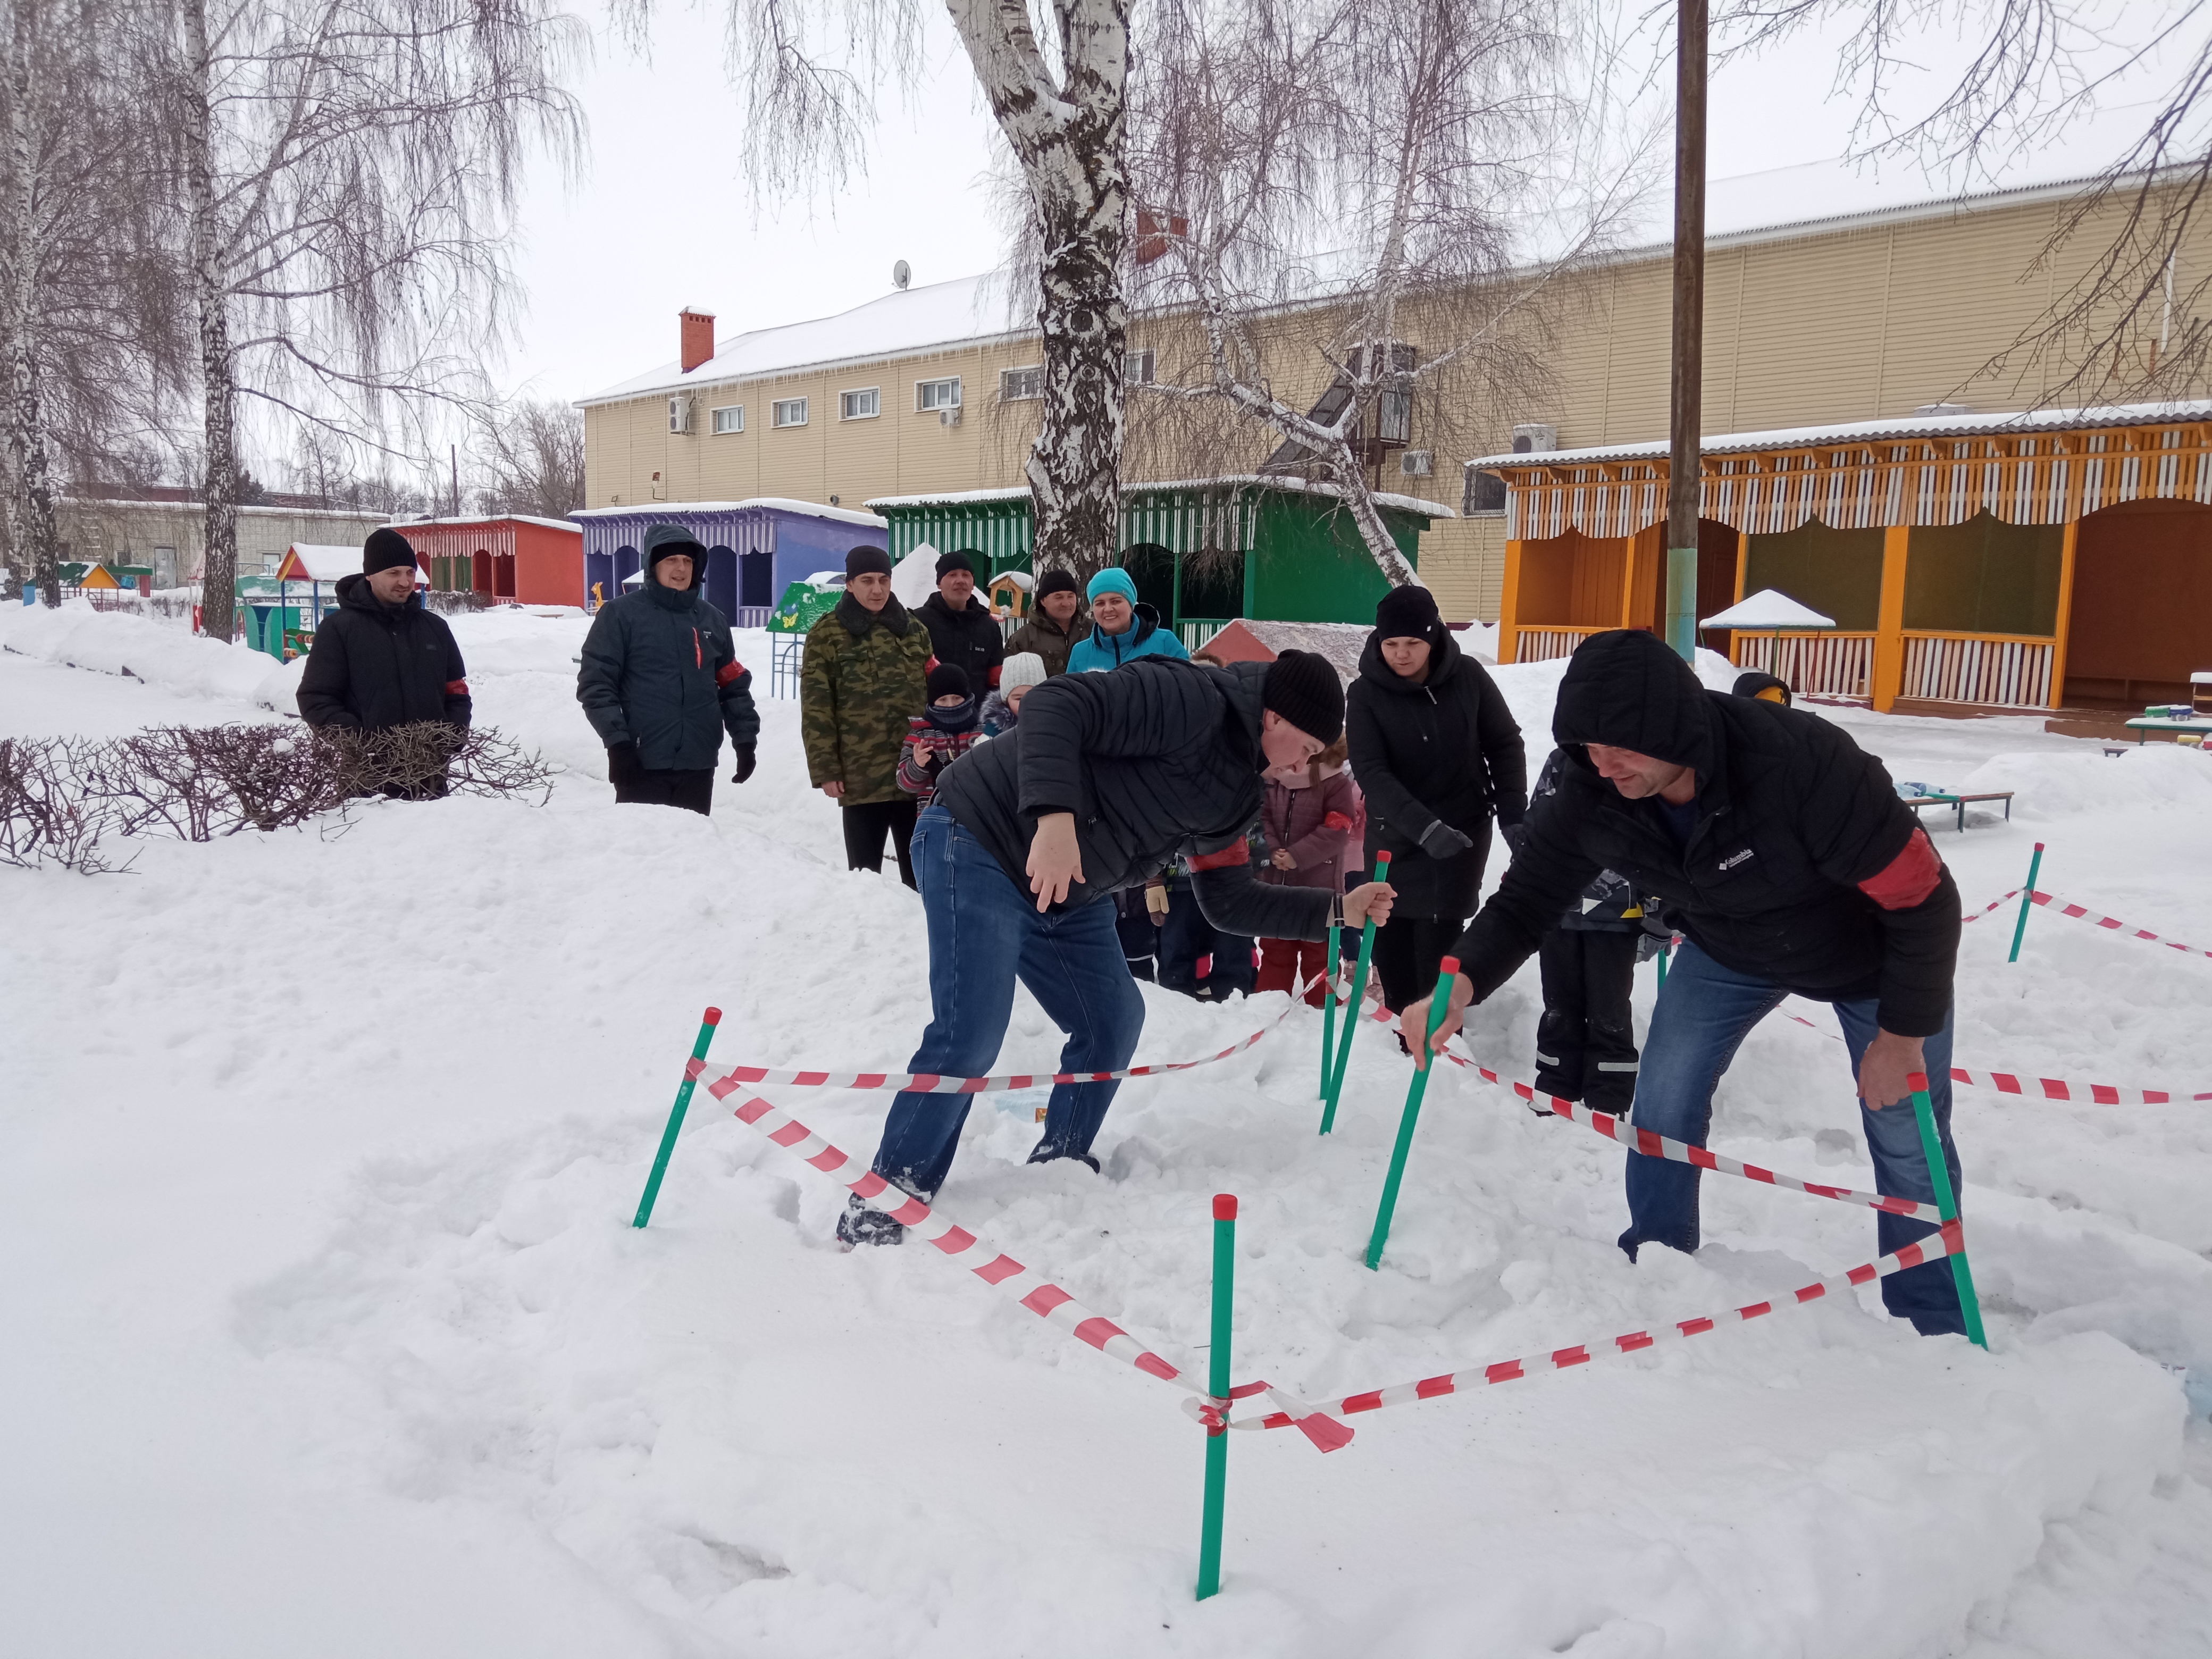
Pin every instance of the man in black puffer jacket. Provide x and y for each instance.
(1105, 780)
(1436, 754)
(661, 680)
(381, 661)
(962, 629)
(1788, 863)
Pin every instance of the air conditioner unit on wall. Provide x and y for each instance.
(679, 413)
(949, 416)
(1416, 463)
(1536, 437)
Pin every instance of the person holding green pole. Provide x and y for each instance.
(1787, 864)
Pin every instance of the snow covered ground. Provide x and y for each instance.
(327, 1334)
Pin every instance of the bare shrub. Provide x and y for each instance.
(60, 797)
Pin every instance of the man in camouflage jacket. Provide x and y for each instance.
(865, 672)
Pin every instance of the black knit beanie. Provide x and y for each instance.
(861, 561)
(1304, 691)
(1058, 581)
(1408, 613)
(949, 562)
(947, 680)
(384, 549)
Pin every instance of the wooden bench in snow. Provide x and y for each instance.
(1959, 802)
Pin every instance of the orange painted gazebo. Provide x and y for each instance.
(2010, 560)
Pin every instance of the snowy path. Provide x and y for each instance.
(320, 1150)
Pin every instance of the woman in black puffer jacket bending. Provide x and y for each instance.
(1437, 755)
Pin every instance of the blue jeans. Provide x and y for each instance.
(1704, 1012)
(984, 932)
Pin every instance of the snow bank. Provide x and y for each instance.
(2148, 777)
(158, 653)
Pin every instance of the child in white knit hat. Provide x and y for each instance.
(1003, 708)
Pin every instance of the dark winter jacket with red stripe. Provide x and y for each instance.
(1157, 759)
(1802, 867)
(374, 664)
(660, 671)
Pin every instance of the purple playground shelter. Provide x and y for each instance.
(755, 549)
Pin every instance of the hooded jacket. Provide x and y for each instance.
(1313, 823)
(1159, 760)
(1445, 747)
(374, 664)
(1143, 637)
(660, 670)
(1802, 867)
(967, 639)
(865, 675)
(1049, 638)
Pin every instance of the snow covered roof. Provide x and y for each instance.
(962, 311)
(1968, 425)
(781, 503)
(486, 519)
(309, 561)
(1768, 608)
(1264, 480)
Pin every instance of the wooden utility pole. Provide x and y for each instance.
(1684, 414)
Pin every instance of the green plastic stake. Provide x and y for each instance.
(1217, 1384)
(1947, 1203)
(1328, 1006)
(707, 1022)
(1664, 951)
(1352, 1008)
(1439, 1004)
(2026, 898)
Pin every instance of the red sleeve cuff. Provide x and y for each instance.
(728, 671)
(457, 688)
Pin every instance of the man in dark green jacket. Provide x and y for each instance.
(661, 680)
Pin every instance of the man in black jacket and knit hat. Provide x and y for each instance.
(962, 629)
(1788, 864)
(381, 661)
(1105, 780)
(661, 681)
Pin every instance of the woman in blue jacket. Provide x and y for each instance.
(1121, 631)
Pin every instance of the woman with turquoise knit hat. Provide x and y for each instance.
(1121, 631)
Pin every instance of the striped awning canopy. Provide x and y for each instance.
(2037, 473)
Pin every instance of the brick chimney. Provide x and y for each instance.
(698, 328)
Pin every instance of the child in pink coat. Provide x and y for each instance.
(1307, 828)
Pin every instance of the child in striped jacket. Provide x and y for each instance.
(935, 738)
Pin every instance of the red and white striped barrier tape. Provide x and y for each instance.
(1679, 1151)
(999, 1270)
(2082, 913)
(1990, 906)
(2016, 1081)
(1946, 1241)
(929, 1082)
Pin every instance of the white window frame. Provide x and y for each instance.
(1138, 367)
(844, 402)
(717, 426)
(1007, 374)
(923, 388)
(777, 406)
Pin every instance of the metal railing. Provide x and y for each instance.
(750, 616)
(1195, 631)
(2007, 669)
(1546, 644)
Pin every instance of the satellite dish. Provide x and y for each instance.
(902, 274)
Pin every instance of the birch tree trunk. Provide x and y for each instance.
(1068, 138)
(218, 367)
(30, 502)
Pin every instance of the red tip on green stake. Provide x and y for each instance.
(1451, 965)
(1917, 1081)
(1225, 1207)
(1381, 858)
(712, 1017)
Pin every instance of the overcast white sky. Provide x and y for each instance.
(662, 219)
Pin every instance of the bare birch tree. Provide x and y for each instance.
(1358, 197)
(2130, 324)
(348, 171)
(532, 456)
(87, 313)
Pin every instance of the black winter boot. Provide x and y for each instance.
(861, 1226)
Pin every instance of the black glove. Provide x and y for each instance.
(745, 758)
(1442, 841)
(621, 762)
(1515, 834)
